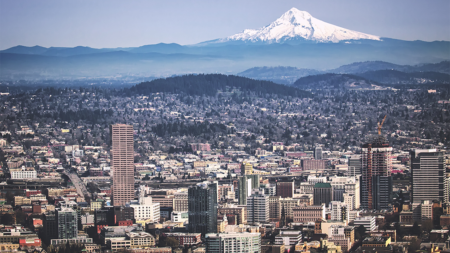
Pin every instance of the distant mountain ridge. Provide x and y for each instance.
(296, 39)
(335, 81)
(372, 70)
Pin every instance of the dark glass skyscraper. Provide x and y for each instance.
(202, 208)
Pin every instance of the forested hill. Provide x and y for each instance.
(334, 81)
(210, 84)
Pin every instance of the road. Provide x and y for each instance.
(79, 185)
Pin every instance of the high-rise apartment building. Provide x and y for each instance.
(246, 184)
(233, 243)
(427, 175)
(202, 208)
(257, 207)
(376, 181)
(122, 164)
(67, 221)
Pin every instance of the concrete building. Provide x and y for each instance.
(369, 222)
(323, 194)
(257, 207)
(274, 207)
(285, 189)
(186, 238)
(122, 163)
(338, 211)
(288, 238)
(354, 165)
(288, 204)
(180, 202)
(233, 243)
(427, 175)
(240, 212)
(145, 209)
(23, 173)
(202, 208)
(309, 213)
(318, 153)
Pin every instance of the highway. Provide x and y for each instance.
(79, 185)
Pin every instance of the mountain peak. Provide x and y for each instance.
(297, 25)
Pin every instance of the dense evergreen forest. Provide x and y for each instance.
(210, 84)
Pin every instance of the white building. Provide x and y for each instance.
(349, 200)
(23, 173)
(288, 238)
(427, 210)
(352, 215)
(257, 207)
(368, 222)
(338, 211)
(145, 209)
(233, 243)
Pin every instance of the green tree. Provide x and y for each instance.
(416, 230)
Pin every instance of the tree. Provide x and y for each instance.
(427, 225)
(165, 241)
(360, 232)
(7, 219)
(416, 230)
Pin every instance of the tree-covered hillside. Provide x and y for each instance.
(210, 84)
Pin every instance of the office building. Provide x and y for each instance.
(285, 189)
(323, 194)
(369, 223)
(50, 227)
(233, 243)
(307, 214)
(202, 208)
(427, 175)
(288, 238)
(122, 163)
(318, 153)
(180, 202)
(338, 211)
(246, 184)
(354, 165)
(257, 207)
(376, 181)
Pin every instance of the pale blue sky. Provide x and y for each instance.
(119, 23)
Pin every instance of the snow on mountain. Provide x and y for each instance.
(298, 25)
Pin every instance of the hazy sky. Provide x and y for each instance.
(119, 23)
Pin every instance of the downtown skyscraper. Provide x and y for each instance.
(202, 208)
(122, 164)
(376, 180)
(427, 175)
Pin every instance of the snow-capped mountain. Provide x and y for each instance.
(298, 25)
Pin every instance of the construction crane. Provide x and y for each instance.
(381, 124)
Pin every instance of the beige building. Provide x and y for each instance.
(309, 213)
(122, 153)
(180, 202)
(288, 204)
(274, 207)
(141, 240)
